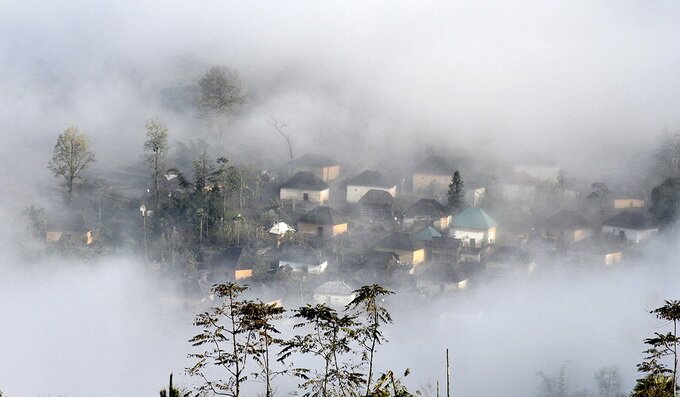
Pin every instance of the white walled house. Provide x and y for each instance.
(305, 186)
(633, 226)
(545, 172)
(475, 227)
(361, 184)
(334, 293)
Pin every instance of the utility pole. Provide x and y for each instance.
(448, 375)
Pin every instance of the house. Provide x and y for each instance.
(427, 212)
(596, 250)
(322, 167)
(519, 188)
(221, 266)
(359, 185)
(305, 186)
(279, 231)
(443, 249)
(631, 226)
(475, 227)
(433, 172)
(544, 171)
(510, 259)
(439, 278)
(303, 260)
(334, 293)
(244, 267)
(409, 249)
(377, 205)
(57, 235)
(567, 226)
(427, 234)
(471, 254)
(322, 221)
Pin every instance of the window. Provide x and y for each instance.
(305, 196)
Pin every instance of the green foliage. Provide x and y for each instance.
(660, 379)
(71, 157)
(456, 193)
(329, 337)
(221, 90)
(369, 335)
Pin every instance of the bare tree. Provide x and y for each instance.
(667, 155)
(280, 127)
(156, 146)
(71, 156)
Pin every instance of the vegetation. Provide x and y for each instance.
(70, 158)
(156, 147)
(456, 193)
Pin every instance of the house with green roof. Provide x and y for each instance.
(475, 227)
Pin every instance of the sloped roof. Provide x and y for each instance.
(322, 215)
(401, 242)
(304, 180)
(426, 207)
(314, 160)
(436, 165)
(370, 178)
(334, 288)
(597, 245)
(280, 228)
(377, 197)
(426, 234)
(474, 218)
(630, 220)
(568, 219)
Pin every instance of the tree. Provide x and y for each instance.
(667, 156)
(370, 335)
(172, 391)
(227, 340)
(221, 91)
(599, 194)
(71, 157)
(666, 200)
(258, 319)
(659, 379)
(330, 336)
(608, 382)
(279, 127)
(456, 193)
(156, 146)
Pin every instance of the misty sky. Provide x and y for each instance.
(591, 83)
(497, 78)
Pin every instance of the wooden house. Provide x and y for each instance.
(409, 249)
(433, 172)
(377, 205)
(322, 221)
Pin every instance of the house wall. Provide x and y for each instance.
(327, 230)
(519, 192)
(356, 192)
(333, 300)
(480, 236)
(546, 173)
(629, 203)
(423, 181)
(301, 267)
(314, 196)
(324, 173)
(413, 257)
(567, 236)
(243, 274)
(631, 235)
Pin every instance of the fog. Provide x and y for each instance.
(588, 83)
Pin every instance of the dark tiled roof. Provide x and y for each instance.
(322, 215)
(436, 165)
(377, 197)
(401, 242)
(305, 181)
(314, 160)
(630, 220)
(568, 219)
(426, 207)
(370, 178)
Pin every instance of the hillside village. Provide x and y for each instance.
(314, 229)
